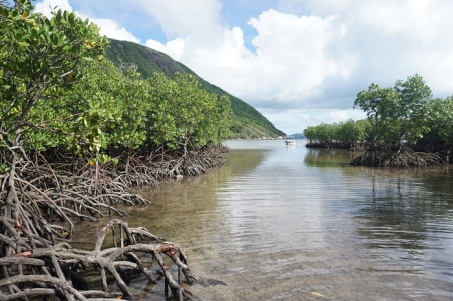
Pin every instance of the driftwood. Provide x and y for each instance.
(61, 270)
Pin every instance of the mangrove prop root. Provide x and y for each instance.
(60, 270)
(43, 193)
(400, 156)
(45, 198)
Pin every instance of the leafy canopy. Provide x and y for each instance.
(399, 113)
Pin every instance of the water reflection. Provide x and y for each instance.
(408, 218)
(329, 158)
(282, 222)
(404, 208)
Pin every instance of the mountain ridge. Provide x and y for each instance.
(247, 121)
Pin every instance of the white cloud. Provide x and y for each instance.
(174, 48)
(108, 27)
(291, 119)
(292, 55)
(184, 18)
(47, 6)
(113, 30)
(291, 62)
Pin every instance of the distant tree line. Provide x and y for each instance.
(347, 134)
(397, 118)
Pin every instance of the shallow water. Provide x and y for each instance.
(283, 222)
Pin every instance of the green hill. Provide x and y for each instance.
(247, 121)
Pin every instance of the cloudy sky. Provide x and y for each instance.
(299, 62)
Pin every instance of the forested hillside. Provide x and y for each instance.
(247, 121)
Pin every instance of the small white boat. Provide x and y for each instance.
(290, 141)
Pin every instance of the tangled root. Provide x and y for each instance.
(61, 270)
(400, 156)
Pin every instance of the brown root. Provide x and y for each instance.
(400, 156)
(39, 202)
(61, 270)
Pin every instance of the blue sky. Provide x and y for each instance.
(299, 62)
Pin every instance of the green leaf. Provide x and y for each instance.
(55, 40)
(4, 168)
(23, 44)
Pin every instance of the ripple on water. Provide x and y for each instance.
(295, 224)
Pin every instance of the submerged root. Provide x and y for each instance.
(61, 270)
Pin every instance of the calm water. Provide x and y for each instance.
(282, 222)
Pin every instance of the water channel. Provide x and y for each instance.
(281, 222)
